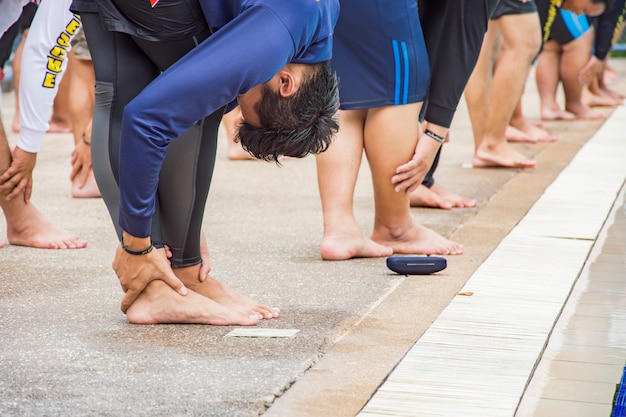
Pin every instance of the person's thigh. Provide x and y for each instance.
(122, 71)
(521, 32)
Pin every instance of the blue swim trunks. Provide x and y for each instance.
(379, 54)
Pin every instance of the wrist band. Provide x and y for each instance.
(137, 252)
(435, 136)
(85, 141)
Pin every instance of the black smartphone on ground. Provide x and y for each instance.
(416, 265)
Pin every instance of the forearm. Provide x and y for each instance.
(606, 28)
(464, 24)
(44, 62)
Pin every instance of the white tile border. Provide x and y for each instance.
(477, 357)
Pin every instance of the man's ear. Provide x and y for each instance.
(287, 86)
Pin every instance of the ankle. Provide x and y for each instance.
(188, 274)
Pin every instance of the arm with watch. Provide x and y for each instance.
(137, 264)
(410, 175)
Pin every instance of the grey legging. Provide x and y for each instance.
(124, 65)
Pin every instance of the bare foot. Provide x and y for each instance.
(583, 112)
(438, 197)
(226, 296)
(1, 244)
(417, 240)
(89, 190)
(591, 99)
(455, 199)
(610, 74)
(529, 133)
(423, 196)
(500, 156)
(160, 304)
(605, 90)
(349, 242)
(558, 114)
(26, 226)
(55, 127)
(513, 134)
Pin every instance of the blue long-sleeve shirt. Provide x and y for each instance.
(251, 41)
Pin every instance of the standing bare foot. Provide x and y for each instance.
(529, 133)
(583, 112)
(229, 298)
(556, 114)
(160, 304)
(55, 127)
(348, 241)
(591, 99)
(223, 294)
(89, 190)
(417, 239)
(438, 196)
(26, 226)
(423, 196)
(501, 156)
(514, 134)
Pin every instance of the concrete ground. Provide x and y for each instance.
(66, 349)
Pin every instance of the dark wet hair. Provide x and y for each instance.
(295, 126)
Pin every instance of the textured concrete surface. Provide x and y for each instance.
(66, 349)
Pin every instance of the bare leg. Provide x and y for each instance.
(479, 86)
(390, 138)
(575, 55)
(160, 304)
(513, 64)
(547, 78)
(17, 70)
(231, 122)
(337, 171)
(528, 132)
(25, 224)
(61, 120)
(82, 91)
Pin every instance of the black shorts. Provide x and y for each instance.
(168, 20)
(568, 26)
(507, 7)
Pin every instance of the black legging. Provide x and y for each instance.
(124, 65)
(453, 32)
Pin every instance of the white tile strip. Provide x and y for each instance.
(478, 356)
